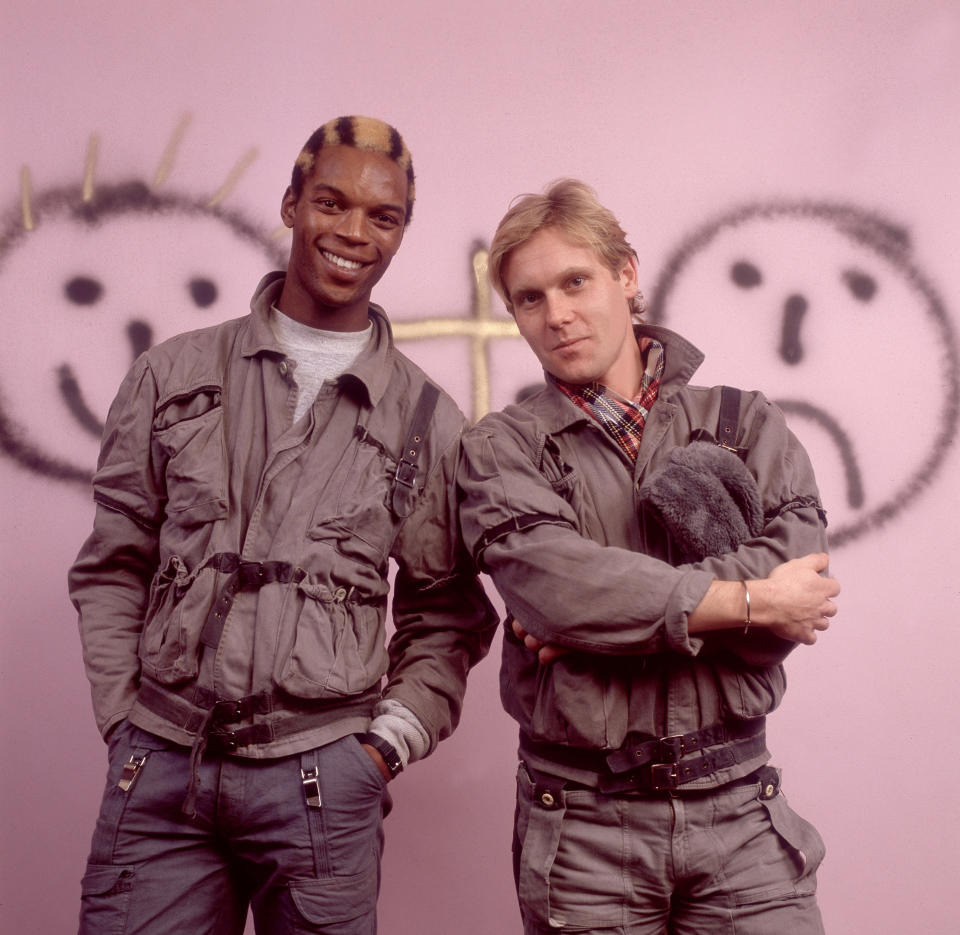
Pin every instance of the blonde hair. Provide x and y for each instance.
(573, 207)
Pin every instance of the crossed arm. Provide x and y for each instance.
(794, 602)
(569, 590)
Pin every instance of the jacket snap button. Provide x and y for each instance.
(547, 799)
(283, 367)
(768, 790)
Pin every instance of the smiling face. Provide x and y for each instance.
(347, 225)
(92, 286)
(573, 312)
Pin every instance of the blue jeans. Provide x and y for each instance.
(732, 861)
(260, 839)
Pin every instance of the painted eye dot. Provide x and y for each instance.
(745, 275)
(861, 285)
(82, 290)
(203, 292)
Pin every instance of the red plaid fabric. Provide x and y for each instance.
(624, 419)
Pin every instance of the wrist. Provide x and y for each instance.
(746, 619)
(724, 607)
(386, 749)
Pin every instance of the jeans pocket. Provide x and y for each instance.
(801, 840)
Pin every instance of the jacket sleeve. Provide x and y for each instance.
(109, 582)
(561, 585)
(444, 622)
(794, 524)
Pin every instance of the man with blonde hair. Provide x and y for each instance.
(255, 480)
(660, 548)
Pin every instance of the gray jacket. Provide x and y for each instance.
(551, 513)
(201, 470)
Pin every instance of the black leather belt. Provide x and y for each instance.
(548, 790)
(209, 717)
(659, 764)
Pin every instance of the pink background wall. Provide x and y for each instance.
(678, 113)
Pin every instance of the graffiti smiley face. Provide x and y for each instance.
(92, 284)
(821, 307)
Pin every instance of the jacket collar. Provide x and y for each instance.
(370, 369)
(681, 360)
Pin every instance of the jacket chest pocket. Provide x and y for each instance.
(561, 476)
(357, 519)
(188, 428)
(331, 645)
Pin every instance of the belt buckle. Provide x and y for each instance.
(226, 711)
(250, 573)
(222, 741)
(664, 777)
(671, 748)
(406, 474)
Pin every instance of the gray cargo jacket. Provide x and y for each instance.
(220, 522)
(550, 511)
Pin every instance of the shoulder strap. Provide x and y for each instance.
(729, 418)
(727, 423)
(405, 479)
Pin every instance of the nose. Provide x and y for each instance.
(791, 346)
(140, 335)
(557, 310)
(351, 226)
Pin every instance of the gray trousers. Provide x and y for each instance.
(735, 861)
(260, 839)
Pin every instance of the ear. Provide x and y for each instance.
(288, 207)
(629, 278)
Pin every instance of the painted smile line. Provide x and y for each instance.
(73, 397)
(341, 261)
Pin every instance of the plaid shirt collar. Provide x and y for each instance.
(623, 419)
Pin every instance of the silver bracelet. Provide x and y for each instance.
(746, 593)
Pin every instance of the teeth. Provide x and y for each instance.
(342, 262)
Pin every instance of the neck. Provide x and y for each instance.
(626, 375)
(302, 307)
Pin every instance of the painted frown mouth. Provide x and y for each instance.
(853, 477)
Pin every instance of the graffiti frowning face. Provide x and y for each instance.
(821, 308)
(91, 286)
